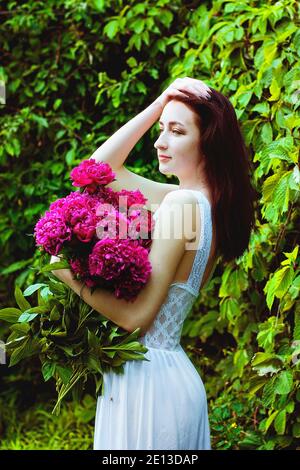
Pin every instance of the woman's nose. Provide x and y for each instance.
(160, 143)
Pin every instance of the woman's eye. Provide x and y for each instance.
(174, 130)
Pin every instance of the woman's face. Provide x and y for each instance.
(180, 140)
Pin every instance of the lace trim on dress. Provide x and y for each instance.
(165, 331)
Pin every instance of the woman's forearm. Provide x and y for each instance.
(119, 311)
(117, 147)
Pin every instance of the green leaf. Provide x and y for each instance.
(260, 357)
(267, 332)
(70, 156)
(32, 312)
(21, 328)
(111, 354)
(94, 363)
(20, 299)
(40, 120)
(132, 355)
(296, 430)
(59, 333)
(16, 266)
(48, 370)
(28, 348)
(34, 287)
(270, 420)
(44, 295)
(93, 341)
(54, 314)
(26, 317)
(269, 395)
(57, 103)
(290, 407)
(255, 384)
(280, 422)
(65, 373)
(284, 383)
(111, 28)
(10, 314)
(57, 288)
(57, 265)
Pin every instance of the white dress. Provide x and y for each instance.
(160, 404)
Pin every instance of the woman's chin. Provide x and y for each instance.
(162, 169)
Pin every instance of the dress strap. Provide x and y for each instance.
(203, 249)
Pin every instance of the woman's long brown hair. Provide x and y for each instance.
(227, 169)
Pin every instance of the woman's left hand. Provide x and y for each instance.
(64, 275)
(54, 259)
(180, 87)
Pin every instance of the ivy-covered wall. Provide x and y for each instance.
(73, 73)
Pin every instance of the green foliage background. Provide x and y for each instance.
(74, 72)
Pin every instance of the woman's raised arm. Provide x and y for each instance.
(117, 147)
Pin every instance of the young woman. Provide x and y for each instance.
(161, 403)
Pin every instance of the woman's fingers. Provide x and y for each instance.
(55, 259)
(202, 92)
(201, 87)
(193, 86)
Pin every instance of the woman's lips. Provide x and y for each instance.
(164, 159)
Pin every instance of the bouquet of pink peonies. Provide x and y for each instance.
(104, 235)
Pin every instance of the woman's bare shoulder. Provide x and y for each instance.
(183, 203)
(180, 195)
(154, 191)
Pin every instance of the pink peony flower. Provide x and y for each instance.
(58, 204)
(73, 201)
(91, 283)
(130, 198)
(106, 195)
(51, 231)
(111, 258)
(78, 267)
(106, 259)
(90, 174)
(135, 275)
(83, 223)
(106, 235)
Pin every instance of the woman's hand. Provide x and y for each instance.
(65, 275)
(54, 259)
(183, 87)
